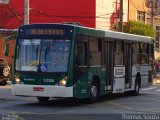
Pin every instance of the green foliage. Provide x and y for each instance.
(139, 28)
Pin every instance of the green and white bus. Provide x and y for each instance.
(64, 60)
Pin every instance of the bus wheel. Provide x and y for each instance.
(6, 71)
(94, 92)
(43, 99)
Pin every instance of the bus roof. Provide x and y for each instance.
(129, 37)
(100, 33)
(115, 35)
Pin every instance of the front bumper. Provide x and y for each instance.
(43, 91)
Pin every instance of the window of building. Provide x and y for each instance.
(157, 40)
(156, 46)
(141, 16)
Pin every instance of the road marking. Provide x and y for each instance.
(119, 105)
(155, 100)
(134, 109)
(157, 90)
(150, 88)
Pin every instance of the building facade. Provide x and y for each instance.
(137, 10)
(154, 19)
(102, 14)
(108, 11)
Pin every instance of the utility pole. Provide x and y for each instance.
(116, 16)
(152, 12)
(121, 15)
(26, 11)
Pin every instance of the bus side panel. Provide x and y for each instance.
(81, 83)
(84, 77)
(119, 79)
(144, 73)
(145, 82)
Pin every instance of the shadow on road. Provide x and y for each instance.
(71, 102)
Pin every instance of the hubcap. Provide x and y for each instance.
(137, 88)
(94, 91)
(6, 71)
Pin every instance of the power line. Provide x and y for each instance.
(62, 16)
(13, 12)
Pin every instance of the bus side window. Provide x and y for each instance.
(81, 53)
(136, 53)
(95, 48)
(144, 54)
(119, 51)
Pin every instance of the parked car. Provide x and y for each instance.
(4, 71)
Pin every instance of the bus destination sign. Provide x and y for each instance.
(41, 31)
(47, 32)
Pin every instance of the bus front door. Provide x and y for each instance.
(109, 58)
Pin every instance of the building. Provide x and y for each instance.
(102, 14)
(5, 35)
(154, 19)
(137, 10)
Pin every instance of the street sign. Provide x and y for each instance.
(4, 1)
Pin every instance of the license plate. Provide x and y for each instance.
(38, 89)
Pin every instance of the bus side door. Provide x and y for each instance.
(128, 64)
(109, 61)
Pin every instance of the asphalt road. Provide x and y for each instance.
(111, 107)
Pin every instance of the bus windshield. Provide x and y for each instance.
(42, 55)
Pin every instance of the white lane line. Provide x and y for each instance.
(157, 90)
(150, 88)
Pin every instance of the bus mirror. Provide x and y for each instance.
(6, 50)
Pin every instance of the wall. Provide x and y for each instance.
(107, 13)
(91, 13)
(135, 5)
(49, 11)
(2, 47)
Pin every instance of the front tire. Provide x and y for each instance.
(6, 71)
(43, 99)
(94, 92)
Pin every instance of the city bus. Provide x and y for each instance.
(65, 60)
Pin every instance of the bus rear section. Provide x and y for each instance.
(43, 61)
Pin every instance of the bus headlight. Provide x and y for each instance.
(18, 81)
(63, 82)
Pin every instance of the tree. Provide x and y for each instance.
(139, 28)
